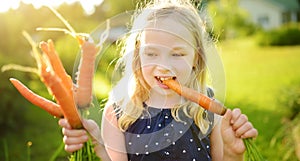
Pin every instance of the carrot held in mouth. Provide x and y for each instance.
(204, 101)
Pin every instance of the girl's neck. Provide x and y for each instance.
(163, 101)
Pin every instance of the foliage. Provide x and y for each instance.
(288, 135)
(12, 108)
(229, 21)
(286, 35)
(85, 154)
(289, 97)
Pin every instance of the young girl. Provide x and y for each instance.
(144, 119)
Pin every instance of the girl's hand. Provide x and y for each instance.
(73, 138)
(234, 128)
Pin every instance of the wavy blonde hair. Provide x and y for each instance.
(130, 101)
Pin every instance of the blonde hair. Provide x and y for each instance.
(130, 105)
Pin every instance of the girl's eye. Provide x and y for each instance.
(178, 54)
(150, 54)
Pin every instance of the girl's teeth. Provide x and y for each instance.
(164, 78)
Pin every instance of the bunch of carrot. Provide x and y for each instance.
(69, 98)
(58, 82)
(211, 104)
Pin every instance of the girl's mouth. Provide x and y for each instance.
(160, 79)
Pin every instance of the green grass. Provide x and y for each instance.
(258, 72)
(41, 130)
(255, 77)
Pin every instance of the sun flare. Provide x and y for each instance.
(88, 6)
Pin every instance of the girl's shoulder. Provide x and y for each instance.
(110, 112)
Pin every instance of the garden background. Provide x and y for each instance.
(262, 78)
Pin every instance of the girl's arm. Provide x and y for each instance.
(227, 137)
(113, 137)
(216, 140)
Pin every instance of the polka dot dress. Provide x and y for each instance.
(156, 136)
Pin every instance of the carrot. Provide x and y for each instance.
(62, 95)
(209, 104)
(49, 106)
(57, 66)
(85, 75)
(86, 68)
(83, 91)
(214, 106)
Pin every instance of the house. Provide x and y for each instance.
(271, 14)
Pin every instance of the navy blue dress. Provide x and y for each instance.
(156, 136)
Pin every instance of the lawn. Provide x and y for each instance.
(255, 77)
(255, 80)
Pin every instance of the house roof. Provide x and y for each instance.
(287, 5)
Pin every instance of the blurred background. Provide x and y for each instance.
(258, 41)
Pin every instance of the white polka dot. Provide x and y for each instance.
(180, 132)
(183, 151)
(207, 146)
(148, 127)
(173, 143)
(159, 125)
(147, 153)
(129, 143)
(146, 146)
(156, 143)
(166, 117)
(172, 125)
(166, 134)
(199, 149)
(167, 153)
(194, 159)
(191, 140)
(138, 135)
(136, 153)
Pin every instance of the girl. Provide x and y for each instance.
(144, 119)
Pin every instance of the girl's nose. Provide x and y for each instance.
(164, 63)
(164, 69)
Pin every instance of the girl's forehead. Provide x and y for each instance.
(167, 32)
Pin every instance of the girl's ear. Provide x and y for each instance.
(196, 60)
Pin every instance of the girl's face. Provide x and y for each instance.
(166, 52)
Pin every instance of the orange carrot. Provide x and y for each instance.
(49, 106)
(57, 66)
(62, 95)
(86, 67)
(194, 96)
(85, 75)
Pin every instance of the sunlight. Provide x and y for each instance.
(87, 5)
(6, 5)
